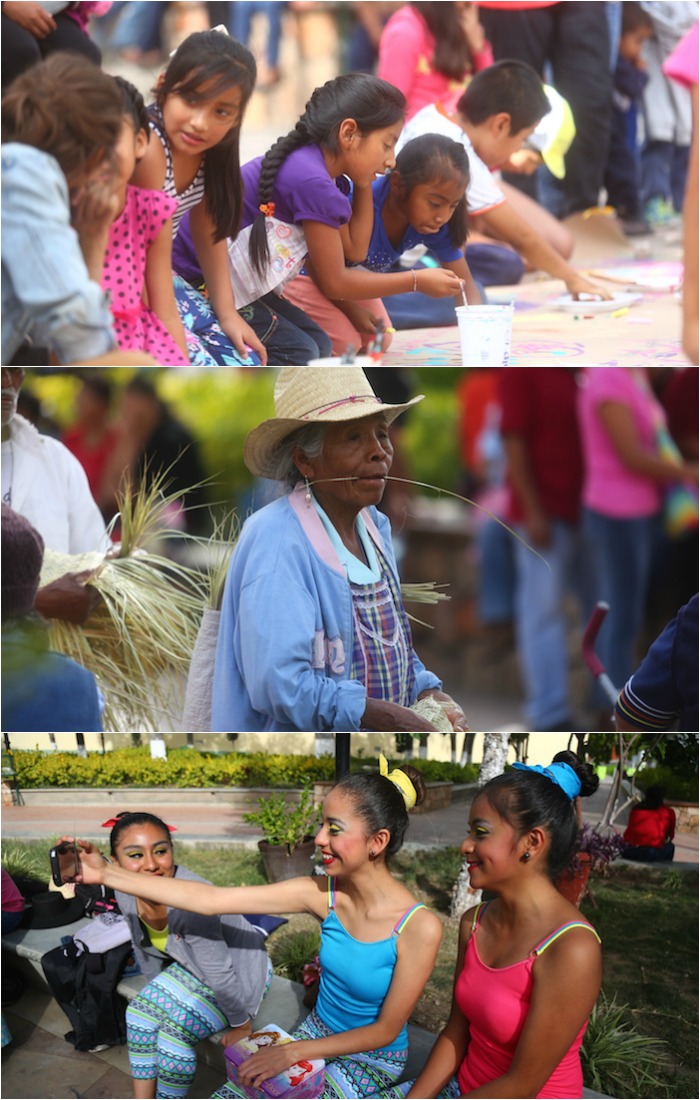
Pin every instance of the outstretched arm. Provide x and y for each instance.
(503, 222)
(327, 260)
(298, 895)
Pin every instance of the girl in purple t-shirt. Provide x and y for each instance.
(296, 206)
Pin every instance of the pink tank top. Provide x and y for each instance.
(496, 1002)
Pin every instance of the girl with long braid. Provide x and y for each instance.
(297, 213)
(378, 945)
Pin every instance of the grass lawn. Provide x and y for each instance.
(647, 919)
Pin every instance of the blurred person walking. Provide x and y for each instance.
(627, 467)
(575, 39)
(545, 475)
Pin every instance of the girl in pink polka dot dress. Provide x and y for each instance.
(137, 268)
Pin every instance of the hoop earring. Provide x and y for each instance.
(307, 495)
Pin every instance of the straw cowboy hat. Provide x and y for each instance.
(313, 395)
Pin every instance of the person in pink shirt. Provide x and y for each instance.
(621, 423)
(429, 51)
(528, 967)
(12, 903)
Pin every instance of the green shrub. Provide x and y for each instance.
(181, 768)
(134, 767)
(290, 952)
(441, 771)
(681, 788)
(283, 822)
(616, 1058)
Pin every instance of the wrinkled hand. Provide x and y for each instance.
(437, 282)
(69, 598)
(267, 1063)
(452, 709)
(580, 285)
(384, 717)
(33, 17)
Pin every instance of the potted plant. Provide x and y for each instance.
(288, 834)
(594, 852)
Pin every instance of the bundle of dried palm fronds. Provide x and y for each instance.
(422, 592)
(139, 639)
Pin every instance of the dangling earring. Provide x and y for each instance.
(307, 495)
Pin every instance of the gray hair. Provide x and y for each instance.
(309, 439)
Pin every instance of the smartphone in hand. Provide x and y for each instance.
(65, 863)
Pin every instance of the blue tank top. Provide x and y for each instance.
(355, 976)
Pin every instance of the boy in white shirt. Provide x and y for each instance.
(495, 116)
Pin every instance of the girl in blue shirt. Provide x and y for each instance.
(378, 945)
(422, 201)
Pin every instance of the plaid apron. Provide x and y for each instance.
(382, 658)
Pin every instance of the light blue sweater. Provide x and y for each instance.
(285, 644)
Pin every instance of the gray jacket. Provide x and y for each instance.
(226, 953)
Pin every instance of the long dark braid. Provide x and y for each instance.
(371, 102)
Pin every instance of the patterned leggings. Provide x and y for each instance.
(164, 1023)
(351, 1075)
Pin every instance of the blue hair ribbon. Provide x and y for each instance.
(562, 775)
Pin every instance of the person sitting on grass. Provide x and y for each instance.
(378, 944)
(650, 830)
(500, 109)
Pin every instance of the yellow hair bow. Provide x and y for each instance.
(400, 780)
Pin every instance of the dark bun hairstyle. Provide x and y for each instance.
(380, 803)
(126, 819)
(528, 799)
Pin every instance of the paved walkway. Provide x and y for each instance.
(216, 823)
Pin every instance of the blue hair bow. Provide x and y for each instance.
(562, 774)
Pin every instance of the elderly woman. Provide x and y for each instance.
(313, 633)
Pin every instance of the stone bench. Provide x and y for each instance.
(283, 1003)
